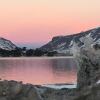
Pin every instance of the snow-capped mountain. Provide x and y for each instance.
(6, 44)
(64, 43)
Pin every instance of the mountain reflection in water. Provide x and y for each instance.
(39, 70)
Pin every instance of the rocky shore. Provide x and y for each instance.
(12, 90)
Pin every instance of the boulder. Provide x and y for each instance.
(89, 67)
(12, 90)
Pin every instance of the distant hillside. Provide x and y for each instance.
(6, 44)
(64, 43)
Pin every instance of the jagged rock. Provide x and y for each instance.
(12, 90)
(88, 77)
(89, 71)
(89, 93)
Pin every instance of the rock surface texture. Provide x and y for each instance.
(11, 90)
(88, 82)
(89, 68)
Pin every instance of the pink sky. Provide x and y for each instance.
(37, 21)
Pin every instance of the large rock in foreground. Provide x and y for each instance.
(89, 67)
(11, 90)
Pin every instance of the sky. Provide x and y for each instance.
(37, 21)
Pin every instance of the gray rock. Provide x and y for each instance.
(12, 90)
(89, 71)
(3, 98)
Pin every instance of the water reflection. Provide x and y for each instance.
(39, 71)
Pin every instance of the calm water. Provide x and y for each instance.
(38, 70)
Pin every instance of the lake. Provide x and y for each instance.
(39, 70)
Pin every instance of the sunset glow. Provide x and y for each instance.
(37, 21)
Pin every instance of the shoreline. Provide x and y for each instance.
(60, 86)
(53, 85)
(59, 57)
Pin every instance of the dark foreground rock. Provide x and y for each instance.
(89, 72)
(12, 90)
(89, 93)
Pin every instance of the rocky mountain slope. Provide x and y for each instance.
(64, 43)
(6, 44)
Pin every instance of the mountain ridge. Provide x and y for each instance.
(64, 43)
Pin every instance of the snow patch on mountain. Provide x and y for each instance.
(6, 44)
(61, 45)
